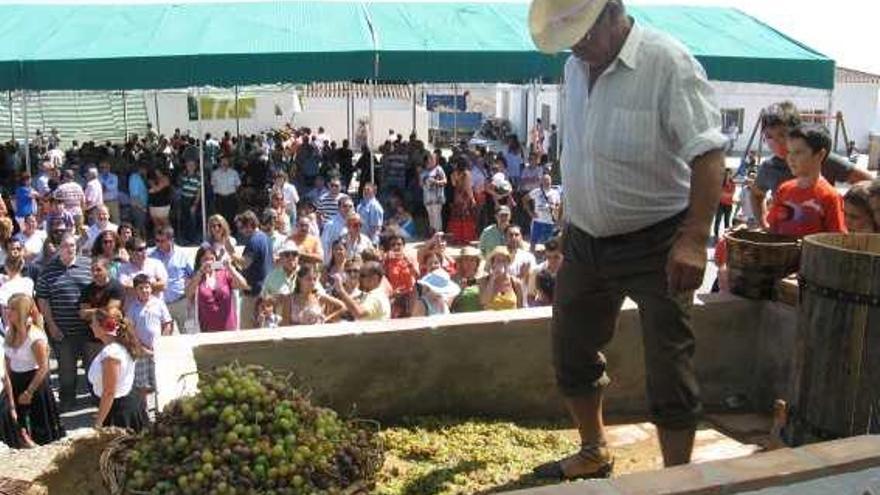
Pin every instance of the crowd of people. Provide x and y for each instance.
(97, 249)
(298, 232)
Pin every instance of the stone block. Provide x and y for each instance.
(682, 480)
(847, 454)
(764, 470)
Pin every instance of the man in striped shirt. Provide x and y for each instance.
(328, 203)
(59, 290)
(190, 205)
(643, 142)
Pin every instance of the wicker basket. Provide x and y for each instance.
(757, 260)
(9, 486)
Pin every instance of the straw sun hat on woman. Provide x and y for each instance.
(557, 25)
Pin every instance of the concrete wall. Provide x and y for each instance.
(496, 364)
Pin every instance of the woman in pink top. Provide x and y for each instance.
(212, 286)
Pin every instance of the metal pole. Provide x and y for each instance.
(455, 113)
(370, 142)
(124, 118)
(156, 102)
(348, 112)
(559, 107)
(27, 132)
(200, 139)
(237, 119)
(535, 108)
(42, 115)
(413, 86)
(372, 128)
(11, 118)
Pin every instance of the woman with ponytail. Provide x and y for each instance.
(111, 373)
(27, 363)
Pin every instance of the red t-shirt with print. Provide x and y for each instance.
(799, 211)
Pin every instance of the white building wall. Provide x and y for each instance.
(861, 110)
(753, 97)
(749, 97)
(329, 113)
(521, 106)
(387, 114)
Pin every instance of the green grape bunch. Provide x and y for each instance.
(249, 431)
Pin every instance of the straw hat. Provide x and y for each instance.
(439, 282)
(499, 251)
(288, 247)
(470, 252)
(557, 25)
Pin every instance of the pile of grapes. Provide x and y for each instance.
(250, 431)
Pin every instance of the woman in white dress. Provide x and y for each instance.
(27, 362)
(111, 373)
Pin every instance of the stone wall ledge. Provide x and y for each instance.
(766, 470)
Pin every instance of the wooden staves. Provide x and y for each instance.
(836, 369)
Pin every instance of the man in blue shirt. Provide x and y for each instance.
(139, 198)
(371, 213)
(256, 262)
(110, 187)
(179, 268)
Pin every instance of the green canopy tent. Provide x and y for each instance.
(454, 42)
(159, 46)
(156, 46)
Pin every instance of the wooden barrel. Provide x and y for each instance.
(757, 260)
(836, 368)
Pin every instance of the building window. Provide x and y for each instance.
(813, 117)
(732, 120)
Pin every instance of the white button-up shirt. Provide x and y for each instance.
(629, 143)
(225, 181)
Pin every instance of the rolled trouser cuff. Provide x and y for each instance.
(582, 379)
(677, 420)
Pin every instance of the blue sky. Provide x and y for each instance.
(846, 30)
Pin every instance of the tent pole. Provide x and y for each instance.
(454, 113)
(535, 103)
(413, 86)
(237, 119)
(124, 118)
(156, 102)
(42, 116)
(559, 103)
(27, 144)
(372, 127)
(370, 142)
(11, 118)
(200, 139)
(348, 112)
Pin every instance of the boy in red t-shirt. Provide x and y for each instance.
(806, 204)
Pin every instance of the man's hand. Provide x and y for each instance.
(686, 264)
(54, 332)
(687, 258)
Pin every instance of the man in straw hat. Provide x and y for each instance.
(643, 140)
